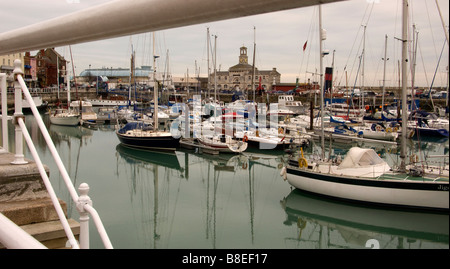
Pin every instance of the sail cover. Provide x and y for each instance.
(360, 157)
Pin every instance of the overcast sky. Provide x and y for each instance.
(280, 37)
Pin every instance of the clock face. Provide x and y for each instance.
(242, 60)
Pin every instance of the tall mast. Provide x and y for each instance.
(254, 52)
(363, 64)
(215, 70)
(155, 90)
(413, 71)
(321, 81)
(404, 83)
(384, 73)
(209, 70)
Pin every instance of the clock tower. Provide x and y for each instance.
(243, 58)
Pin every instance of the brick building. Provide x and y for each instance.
(50, 68)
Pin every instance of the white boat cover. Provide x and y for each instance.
(360, 157)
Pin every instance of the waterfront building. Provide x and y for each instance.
(116, 76)
(50, 68)
(240, 75)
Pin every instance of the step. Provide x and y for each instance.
(31, 211)
(51, 233)
(20, 181)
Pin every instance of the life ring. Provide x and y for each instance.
(245, 138)
(388, 129)
(302, 162)
(280, 130)
(395, 129)
(378, 128)
(244, 165)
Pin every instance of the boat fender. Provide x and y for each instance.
(413, 158)
(283, 173)
(302, 162)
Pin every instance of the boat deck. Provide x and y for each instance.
(426, 178)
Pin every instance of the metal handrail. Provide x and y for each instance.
(81, 205)
(83, 202)
(48, 185)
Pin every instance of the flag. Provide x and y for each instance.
(304, 46)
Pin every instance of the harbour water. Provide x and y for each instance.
(188, 200)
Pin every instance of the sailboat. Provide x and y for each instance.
(145, 136)
(65, 116)
(364, 177)
(220, 141)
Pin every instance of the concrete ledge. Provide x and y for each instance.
(51, 233)
(20, 182)
(31, 211)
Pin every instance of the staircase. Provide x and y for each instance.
(25, 201)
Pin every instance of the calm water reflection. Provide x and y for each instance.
(192, 201)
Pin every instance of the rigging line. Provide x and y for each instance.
(431, 29)
(394, 44)
(308, 47)
(432, 82)
(356, 38)
(354, 86)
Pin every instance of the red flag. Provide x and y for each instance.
(304, 46)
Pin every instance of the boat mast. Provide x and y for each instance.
(362, 69)
(321, 82)
(404, 84)
(155, 90)
(209, 70)
(413, 71)
(215, 71)
(384, 73)
(254, 52)
(446, 36)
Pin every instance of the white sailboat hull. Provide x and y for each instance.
(225, 147)
(406, 193)
(68, 120)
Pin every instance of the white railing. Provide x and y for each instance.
(14, 237)
(83, 202)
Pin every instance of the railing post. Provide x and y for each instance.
(4, 91)
(84, 215)
(19, 157)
